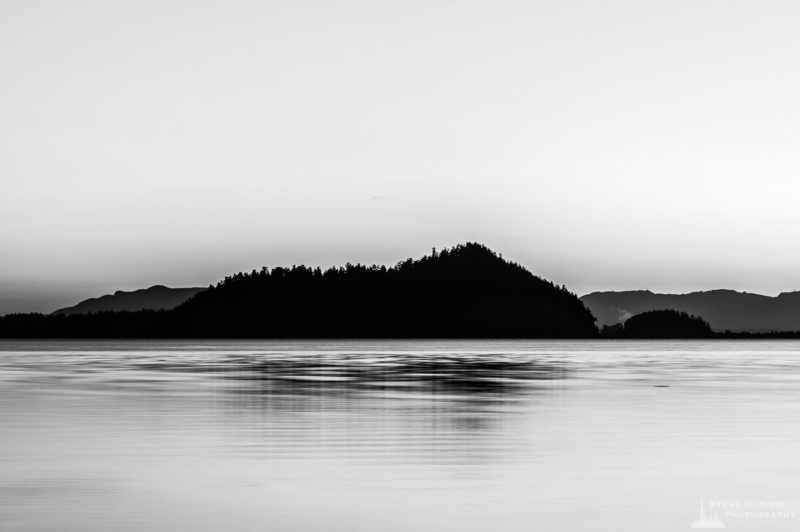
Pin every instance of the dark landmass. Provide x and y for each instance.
(464, 292)
(660, 324)
(154, 298)
(773, 335)
(122, 324)
(674, 324)
(725, 310)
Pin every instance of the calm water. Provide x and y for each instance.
(398, 436)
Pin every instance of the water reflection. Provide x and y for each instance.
(470, 379)
(407, 408)
(392, 436)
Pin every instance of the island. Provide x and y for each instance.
(467, 291)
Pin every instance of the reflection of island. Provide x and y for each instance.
(706, 520)
(389, 405)
(402, 406)
(441, 375)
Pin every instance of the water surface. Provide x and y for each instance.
(398, 435)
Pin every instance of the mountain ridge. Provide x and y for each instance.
(156, 297)
(724, 309)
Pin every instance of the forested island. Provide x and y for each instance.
(467, 291)
(660, 324)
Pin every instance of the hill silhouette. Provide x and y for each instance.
(466, 291)
(661, 324)
(156, 297)
(724, 309)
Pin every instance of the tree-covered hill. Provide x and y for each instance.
(467, 291)
(463, 292)
(661, 324)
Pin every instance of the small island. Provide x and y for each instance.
(666, 324)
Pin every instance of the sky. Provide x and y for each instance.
(622, 144)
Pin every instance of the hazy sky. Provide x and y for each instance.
(602, 144)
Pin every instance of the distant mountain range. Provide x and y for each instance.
(722, 309)
(154, 298)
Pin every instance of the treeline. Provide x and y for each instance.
(767, 335)
(466, 291)
(123, 324)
